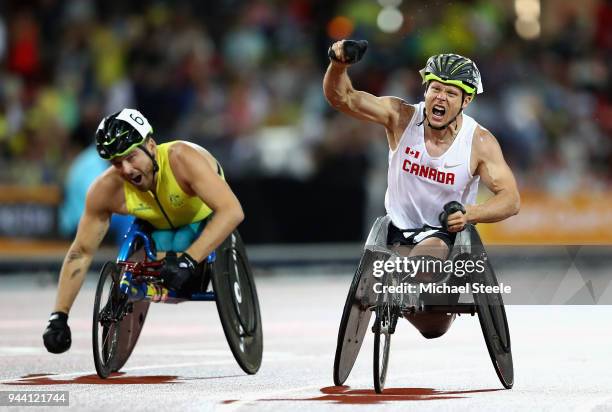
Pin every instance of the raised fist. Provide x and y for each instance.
(347, 51)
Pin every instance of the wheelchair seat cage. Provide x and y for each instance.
(387, 307)
(127, 287)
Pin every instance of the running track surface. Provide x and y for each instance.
(562, 356)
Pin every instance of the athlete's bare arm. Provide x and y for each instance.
(92, 229)
(196, 170)
(391, 112)
(489, 163)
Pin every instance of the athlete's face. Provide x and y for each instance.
(137, 168)
(442, 102)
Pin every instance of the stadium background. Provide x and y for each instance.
(243, 79)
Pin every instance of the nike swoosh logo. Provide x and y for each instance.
(447, 166)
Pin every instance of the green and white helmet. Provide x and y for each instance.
(455, 70)
(121, 132)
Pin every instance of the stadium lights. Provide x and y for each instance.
(527, 22)
(390, 19)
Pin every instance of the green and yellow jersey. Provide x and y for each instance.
(168, 207)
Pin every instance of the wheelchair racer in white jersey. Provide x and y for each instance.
(437, 156)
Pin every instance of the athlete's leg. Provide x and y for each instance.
(163, 241)
(183, 237)
(431, 325)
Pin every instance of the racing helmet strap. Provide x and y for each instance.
(155, 165)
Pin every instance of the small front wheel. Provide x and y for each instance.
(382, 344)
(105, 328)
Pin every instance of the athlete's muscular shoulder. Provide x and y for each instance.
(485, 150)
(402, 114)
(182, 155)
(484, 144)
(106, 195)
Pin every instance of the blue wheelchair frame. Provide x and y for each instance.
(138, 291)
(124, 312)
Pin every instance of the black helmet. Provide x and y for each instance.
(455, 70)
(121, 132)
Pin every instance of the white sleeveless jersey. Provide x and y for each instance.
(419, 185)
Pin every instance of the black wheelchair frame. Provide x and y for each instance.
(362, 302)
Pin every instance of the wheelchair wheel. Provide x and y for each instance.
(355, 317)
(494, 325)
(381, 329)
(237, 303)
(105, 330)
(132, 322)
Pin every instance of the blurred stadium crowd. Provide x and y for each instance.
(243, 78)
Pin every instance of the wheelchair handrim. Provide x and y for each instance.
(241, 291)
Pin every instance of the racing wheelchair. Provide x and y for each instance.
(362, 302)
(127, 286)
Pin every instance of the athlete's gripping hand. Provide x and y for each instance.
(453, 218)
(347, 52)
(176, 272)
(57, 337)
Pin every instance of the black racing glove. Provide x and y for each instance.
(449, 209)
(57, 337)
(353, 51)
(176, 272)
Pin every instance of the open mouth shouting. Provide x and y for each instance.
(137, 179)
(438, 112)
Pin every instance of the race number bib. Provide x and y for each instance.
(136, 120)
